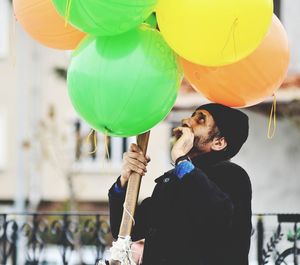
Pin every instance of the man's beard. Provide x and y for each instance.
(199, 142)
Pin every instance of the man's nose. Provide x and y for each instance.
(186, 122)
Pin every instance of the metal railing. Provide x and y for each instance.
(54, 238)
(276, 237)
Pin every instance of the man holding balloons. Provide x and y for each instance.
(124, 78)
(200, 211)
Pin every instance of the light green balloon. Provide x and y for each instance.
(105, 17)
(124, 85)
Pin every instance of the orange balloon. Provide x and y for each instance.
(40, 19)
(248, 81)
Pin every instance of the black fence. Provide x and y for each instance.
(82, 238)
(276, 237)
(53, 238)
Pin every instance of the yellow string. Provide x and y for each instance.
(95, 141)
(67, 12)
(272, 117)
(106, 141)
(231, 34)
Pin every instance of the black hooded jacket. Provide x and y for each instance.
(202, 219)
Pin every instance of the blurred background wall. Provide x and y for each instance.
(44, 156)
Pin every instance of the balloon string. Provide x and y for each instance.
(106, 142)
(272, 118)
(129, 214)
(67, 12)
(92, 132)
(232, 33)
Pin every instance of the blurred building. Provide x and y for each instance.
(44, 150)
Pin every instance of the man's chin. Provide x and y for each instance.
(196, 151)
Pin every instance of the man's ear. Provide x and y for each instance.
(218, 144)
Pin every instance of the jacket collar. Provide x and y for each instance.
(209, 159)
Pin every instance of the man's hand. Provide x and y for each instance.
(133, 161)
(137, 249)
(184, 143)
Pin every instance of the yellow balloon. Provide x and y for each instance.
(214, 32)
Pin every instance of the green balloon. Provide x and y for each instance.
(124, 85)
(105, 17)
(152, 21)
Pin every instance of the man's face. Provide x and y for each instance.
(203, 126)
